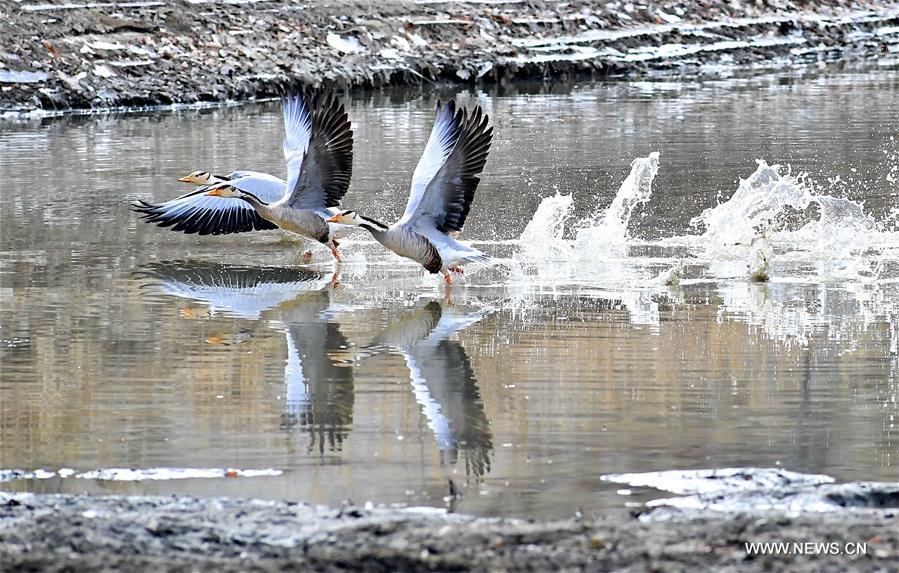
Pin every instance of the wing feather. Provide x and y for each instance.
(297, 132)
(326, 166)
(447, 175)
(198, 213)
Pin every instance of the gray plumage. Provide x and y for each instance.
(318, 148)
(443, 188)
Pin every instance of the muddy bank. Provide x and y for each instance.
(84, 533)
(60, 54)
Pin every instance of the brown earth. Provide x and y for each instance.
(85, 533)
(89, 54)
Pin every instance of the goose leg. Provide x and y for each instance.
(334, 251)
(447, 278)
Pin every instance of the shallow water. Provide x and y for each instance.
(126, 346)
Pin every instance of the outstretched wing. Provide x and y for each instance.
(446, 177)
(297, 110)
(196, 212)
(318, 146)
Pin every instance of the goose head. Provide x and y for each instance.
(198, 178)
(228, 191)
(354, 219)
(348, 217)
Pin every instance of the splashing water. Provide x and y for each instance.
(770, 202)
(608, 229)
(774, 225)
(604, 233)
(543, 237)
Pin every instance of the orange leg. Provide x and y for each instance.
(447, 278)
(334, 251)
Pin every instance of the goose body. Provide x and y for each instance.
(318, 148)
(443, 187)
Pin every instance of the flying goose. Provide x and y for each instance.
(443, 188)
(195, 213)
(318, 147)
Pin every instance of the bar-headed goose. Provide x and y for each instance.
(443, 188)
(201, 178)
(318, 147)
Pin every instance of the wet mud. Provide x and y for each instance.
(60, 55)
(85, 533)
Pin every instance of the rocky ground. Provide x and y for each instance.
(84, 533)
(85, 54)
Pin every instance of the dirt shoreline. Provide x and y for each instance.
(62, 55)
(107, 533)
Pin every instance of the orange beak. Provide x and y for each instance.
(334, 219)
(185, 179)
(214, 193)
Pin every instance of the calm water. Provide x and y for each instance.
(129, 346)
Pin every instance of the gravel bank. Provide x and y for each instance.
(63, 54)
(84, 533)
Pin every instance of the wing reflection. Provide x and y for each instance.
(444, 383)
(296, 302)
(235, 290)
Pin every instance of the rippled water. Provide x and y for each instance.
(129, 347)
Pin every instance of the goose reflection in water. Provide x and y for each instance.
(320, 392)
(444, 382)
(296, 302)
(319, 370)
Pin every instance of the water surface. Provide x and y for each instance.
(129, 346)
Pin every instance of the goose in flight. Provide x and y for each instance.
(318, 147)
(443, 188)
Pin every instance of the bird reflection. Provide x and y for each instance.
(320, 393)
(444, 383)
(319, 369)
(296, 302)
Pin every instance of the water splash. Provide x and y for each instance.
(543, 237)
(783, 207)
(608, 229)
(775, 226)
(596, 237)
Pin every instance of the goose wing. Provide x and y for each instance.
(196, 212)
(318, 147)
(446, 177)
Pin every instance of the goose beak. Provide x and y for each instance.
(334, 219)
(185, 179)
(217, 192)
